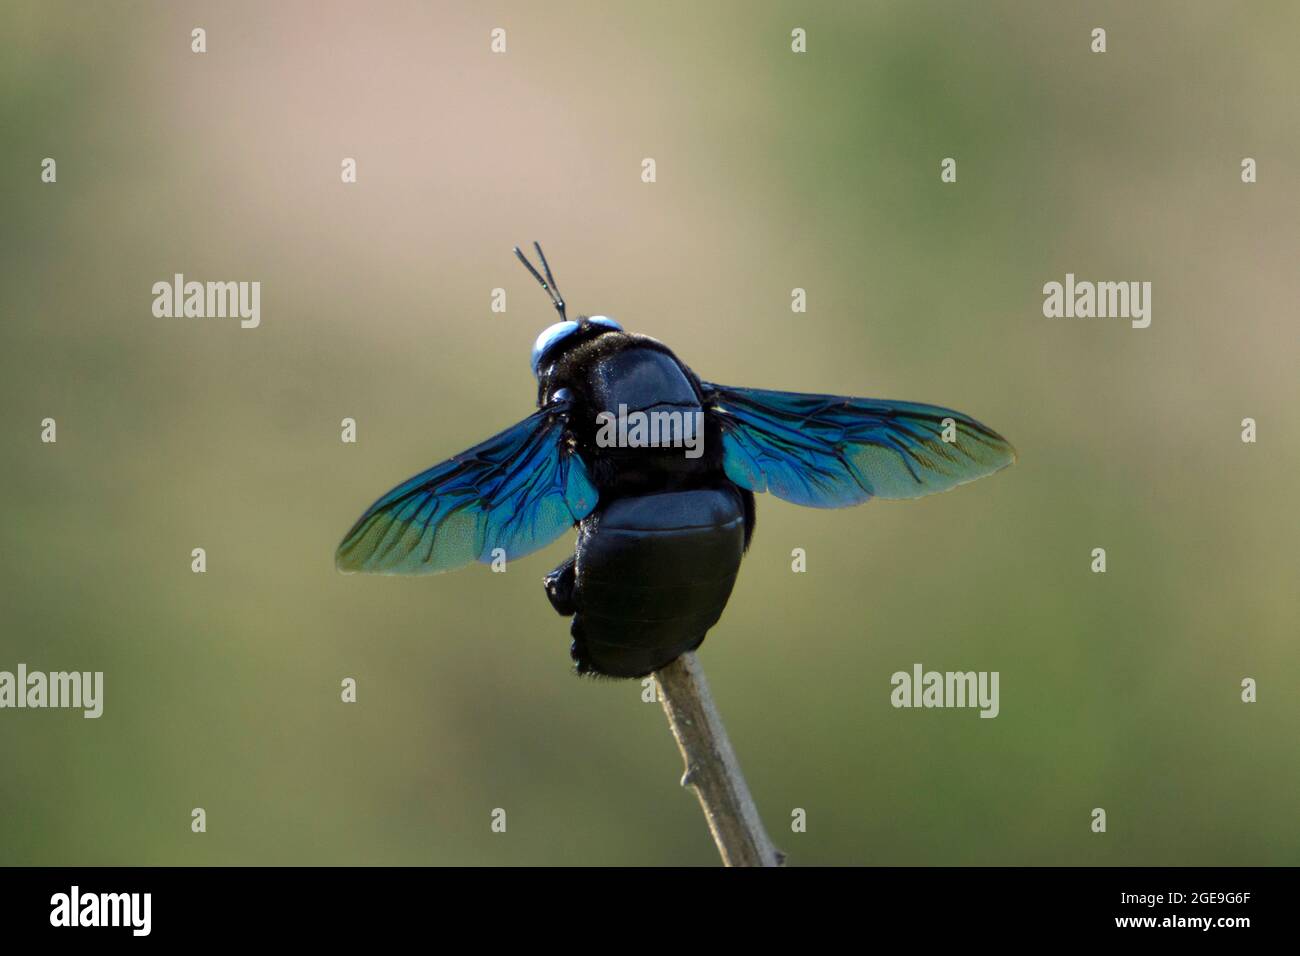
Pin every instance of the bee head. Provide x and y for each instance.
(567, 332)
(555, 338)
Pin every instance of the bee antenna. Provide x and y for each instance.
(549, 282)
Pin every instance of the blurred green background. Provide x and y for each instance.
(775, 171)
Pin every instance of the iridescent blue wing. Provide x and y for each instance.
(827, 451)
(518, 491)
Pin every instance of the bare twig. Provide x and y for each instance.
(711, 766)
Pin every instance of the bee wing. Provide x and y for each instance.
(518, 491)
(828, 451)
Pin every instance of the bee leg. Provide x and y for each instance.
(559, 586)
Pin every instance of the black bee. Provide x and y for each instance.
(658, 470)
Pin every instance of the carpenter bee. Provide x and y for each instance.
(657, 469)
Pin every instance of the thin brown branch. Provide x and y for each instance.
(711, 766)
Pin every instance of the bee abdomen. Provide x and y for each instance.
(654, 573)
